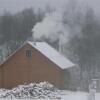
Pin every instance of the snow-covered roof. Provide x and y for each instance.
(52, 54)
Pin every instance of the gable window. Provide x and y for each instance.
(28, 53)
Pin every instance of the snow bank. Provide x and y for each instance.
(42, 90)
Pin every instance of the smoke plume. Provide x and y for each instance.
(51, 28)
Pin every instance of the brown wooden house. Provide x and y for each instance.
(33, 62)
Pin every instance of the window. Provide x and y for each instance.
(28, 53)
(1, 55)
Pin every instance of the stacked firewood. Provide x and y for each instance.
(33, 90)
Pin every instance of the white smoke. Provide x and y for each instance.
(51, 28)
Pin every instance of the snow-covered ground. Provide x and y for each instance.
(42, 91)
(78, 96)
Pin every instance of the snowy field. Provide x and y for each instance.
(65, 96)
(78, 96)
(42, 91)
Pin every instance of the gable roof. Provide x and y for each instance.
(52, 54)
(48, 51)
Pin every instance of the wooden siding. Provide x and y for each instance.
(20, 69)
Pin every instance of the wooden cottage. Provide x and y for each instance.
(33, 62)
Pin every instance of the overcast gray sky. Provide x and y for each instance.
(18, 5)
